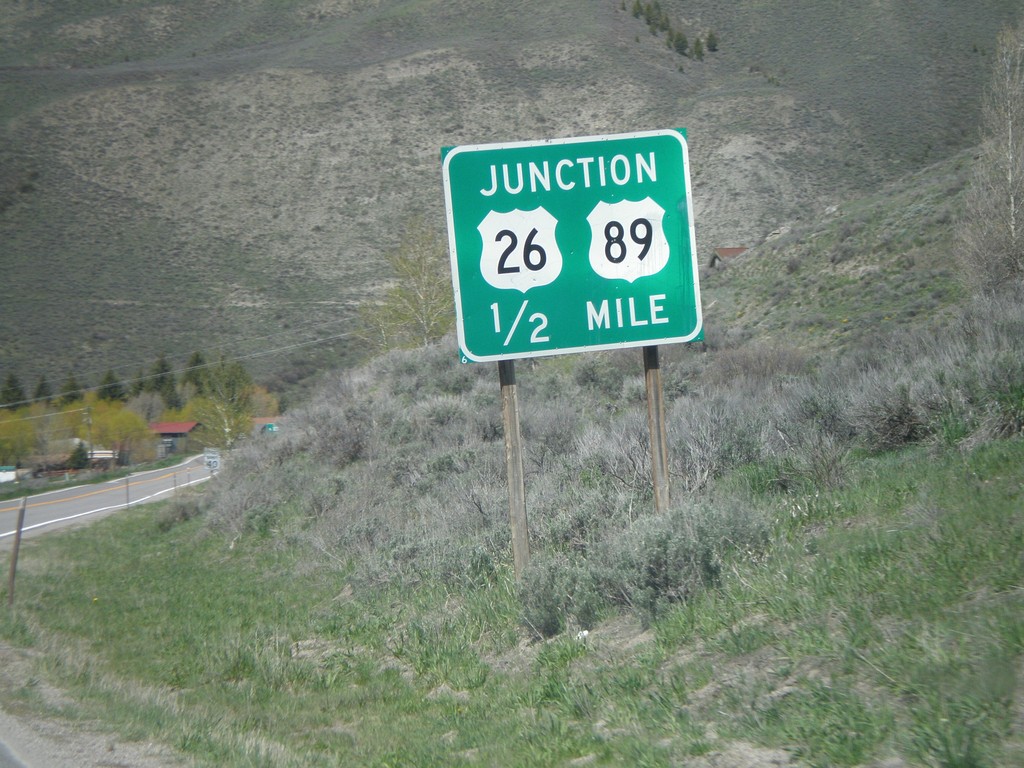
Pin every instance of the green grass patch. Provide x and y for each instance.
(887, 621)
(895, 627)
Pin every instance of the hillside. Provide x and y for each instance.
(226, 176)
(837, 581)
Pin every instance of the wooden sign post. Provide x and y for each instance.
(656, 428)
(514, 467)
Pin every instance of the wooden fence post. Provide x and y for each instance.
(14, 552)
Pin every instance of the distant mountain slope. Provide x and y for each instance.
(227, 175)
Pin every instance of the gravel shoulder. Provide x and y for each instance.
(30, 741)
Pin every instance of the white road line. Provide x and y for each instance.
(132, 502)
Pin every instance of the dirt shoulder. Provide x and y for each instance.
(48, 742)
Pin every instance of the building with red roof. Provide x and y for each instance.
(175, 436)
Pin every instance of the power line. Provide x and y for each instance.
(234, 343)
(48, 415)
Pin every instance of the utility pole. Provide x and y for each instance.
(88, 424)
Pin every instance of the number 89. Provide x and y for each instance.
(640, 232)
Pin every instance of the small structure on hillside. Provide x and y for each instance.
(722, 255)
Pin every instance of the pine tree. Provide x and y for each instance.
(79, 458)
(161, 381)
(195, 373)
(663, 22)
(70, 391)
(138, 384)
(712, 41)
(43, 392)
(680, 43)
(12, 395)
(111, 388)
(649, 15)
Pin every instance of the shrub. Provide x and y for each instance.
(339, 433)
(809, 437)
(617, 451)
(571, 521)
(1003, 387)
(180, 509)
(883, 414)
(601, 374)
(756, 366)
(650, 563)
(665, 559)
(396, 471)
(823, 460)
(710, 436)
(546, 593)
(551, 430)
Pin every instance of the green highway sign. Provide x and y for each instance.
(572, 244)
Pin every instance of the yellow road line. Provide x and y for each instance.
(98, 491)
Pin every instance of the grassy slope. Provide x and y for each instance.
(202, 175)
(884, 621)
(873, 265)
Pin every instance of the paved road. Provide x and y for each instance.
(48, 511)
(8, 760)
(24, 740)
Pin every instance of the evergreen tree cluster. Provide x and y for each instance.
(159, 379)
(658, 21)
(12, 393)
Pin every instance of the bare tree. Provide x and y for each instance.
(992, 240)
(418, 308)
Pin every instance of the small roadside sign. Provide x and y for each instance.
(212, 456)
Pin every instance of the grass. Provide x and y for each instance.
(885, 619)
(811, 285)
